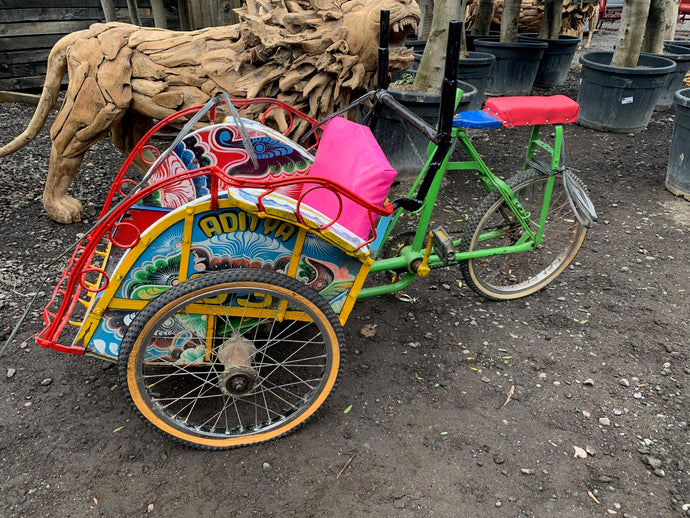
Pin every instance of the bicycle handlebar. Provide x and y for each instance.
(415, 120)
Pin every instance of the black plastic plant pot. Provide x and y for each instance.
(678, 171)
(556, 61)
(680, 43)
(476, 70)
(675, 79)
(471, 38)
(620, 99)
(404, 146)
(516, 65)
(417, 46)
(671, 47)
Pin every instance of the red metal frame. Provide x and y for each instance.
(72, 287)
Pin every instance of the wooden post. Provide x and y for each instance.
(226, 15)
(183, 12)
(133, 12)
(159, 14)
(108, 10)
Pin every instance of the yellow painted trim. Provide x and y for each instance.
(210, 326)
(352, 295)
(292, 269)
(89, 325)
(297, 253)
(149, 235)
(130, 304)
(186, 243)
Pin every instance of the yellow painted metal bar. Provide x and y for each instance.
(354, 291)
(297, 253)
(186, 244)
(292, 269)
(210, 331)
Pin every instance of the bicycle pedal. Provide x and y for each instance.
(443, 245)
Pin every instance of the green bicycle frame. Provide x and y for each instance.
(530, 239)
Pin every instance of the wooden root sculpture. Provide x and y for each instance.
(313, 54)
(575, 14)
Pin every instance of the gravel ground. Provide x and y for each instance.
(596, 366)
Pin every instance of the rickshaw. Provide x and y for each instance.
(220, 282)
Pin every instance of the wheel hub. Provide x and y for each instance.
(238, 376)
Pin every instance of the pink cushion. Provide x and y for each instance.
(532, 110)
(349, 155)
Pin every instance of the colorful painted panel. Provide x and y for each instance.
(223, 239)
(327, 270)
(232, 238)
(157, 268)
(222, 145)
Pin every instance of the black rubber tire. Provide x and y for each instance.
(295, 362)
(510, 276)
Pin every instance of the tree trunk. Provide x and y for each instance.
(661, 24)
(432, 66)
(671, 8)
(551, 20)
(108, 10)
(427, 9)
(485, 12)
(509, 20)
(133, 12)
(159, 14)
(630, 33)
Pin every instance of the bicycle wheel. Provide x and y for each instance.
(493, 225)
(231, 358)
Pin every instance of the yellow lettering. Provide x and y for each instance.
(210, 226)
(270, 225)
(229, 222)
(285, 231)
(253, 221)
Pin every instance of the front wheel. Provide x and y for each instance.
(231, 358)
(493, 225)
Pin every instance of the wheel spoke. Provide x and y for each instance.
(290, 362)
(511, 275)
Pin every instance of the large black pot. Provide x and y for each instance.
(678, 171)
(556, 61)
(620, 99)
(403, 145)
(417, 46)
(672, 47)
(675, 78)
(516, 65)
(476, 70)
(680, 43)
(471, 38)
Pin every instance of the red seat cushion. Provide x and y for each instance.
(532, 110)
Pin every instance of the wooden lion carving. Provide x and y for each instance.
(313, 54)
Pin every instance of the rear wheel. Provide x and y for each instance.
(493, 225)
(231, 358)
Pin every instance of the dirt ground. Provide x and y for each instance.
(599, 360)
